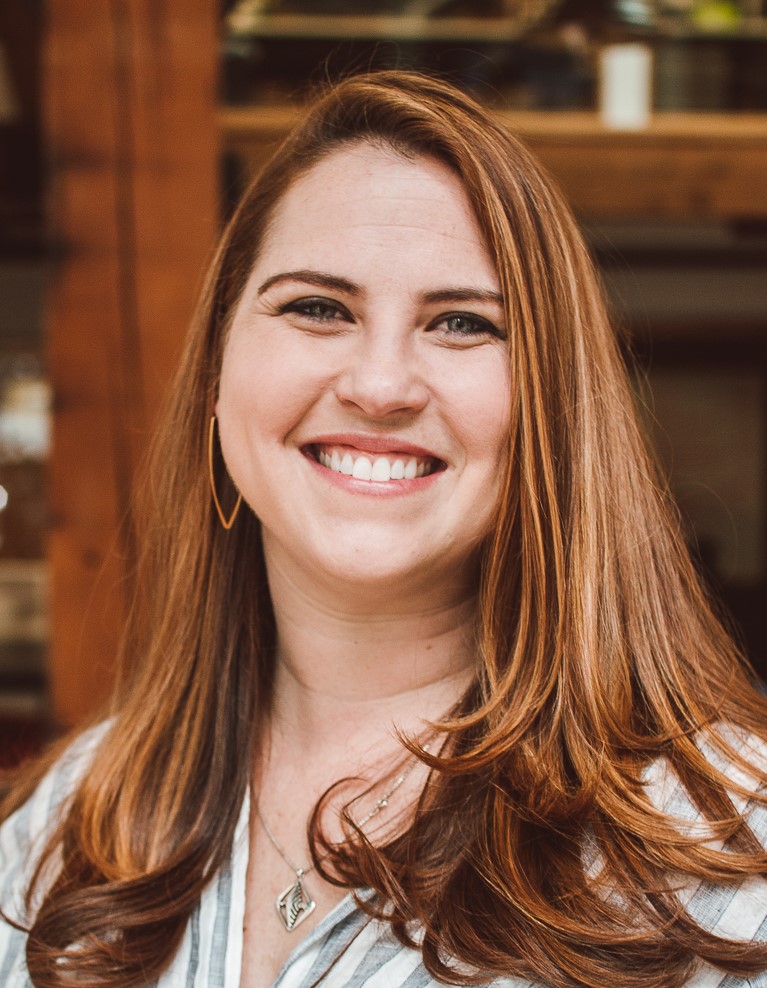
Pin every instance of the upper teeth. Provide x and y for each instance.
(378, 468)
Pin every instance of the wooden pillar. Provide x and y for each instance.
(130, 92)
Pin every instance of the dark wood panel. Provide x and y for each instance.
(130, 91)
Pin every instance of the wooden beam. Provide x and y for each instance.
(130, 118)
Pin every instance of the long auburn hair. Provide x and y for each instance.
(598, 649)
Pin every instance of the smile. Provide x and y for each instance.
(377, 467)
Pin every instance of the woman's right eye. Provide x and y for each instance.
(318, 310)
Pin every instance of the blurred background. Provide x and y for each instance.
(129, 127)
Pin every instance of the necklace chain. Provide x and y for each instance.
(294, 903)
(299, 871)
(380, 804)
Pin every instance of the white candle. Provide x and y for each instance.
(625, 90)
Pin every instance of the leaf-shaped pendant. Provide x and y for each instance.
(294, 904)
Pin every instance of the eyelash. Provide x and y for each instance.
(479, 323)
(310, 309)
(307, 307)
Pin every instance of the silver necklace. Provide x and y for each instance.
(294, 904)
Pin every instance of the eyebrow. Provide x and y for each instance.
(451, 295)
(319, 279)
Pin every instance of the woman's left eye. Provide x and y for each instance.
(466, 324)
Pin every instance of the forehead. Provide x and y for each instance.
(366, 203)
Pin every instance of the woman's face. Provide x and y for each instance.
(364, 398)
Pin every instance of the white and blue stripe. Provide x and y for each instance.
(347, 949)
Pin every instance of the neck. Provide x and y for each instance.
(349, 675)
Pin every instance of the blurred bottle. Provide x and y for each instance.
(24, 444)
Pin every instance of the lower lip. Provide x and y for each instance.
(374, 488)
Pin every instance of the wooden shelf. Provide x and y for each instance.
(683, 166)
(247, 123)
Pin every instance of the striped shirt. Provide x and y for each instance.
(349, 948)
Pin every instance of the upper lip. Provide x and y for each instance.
(370, 443)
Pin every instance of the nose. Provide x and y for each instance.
(382, 376)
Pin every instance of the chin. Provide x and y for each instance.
(376, 575)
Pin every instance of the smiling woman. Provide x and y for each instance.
(420, 663)
(399, 366)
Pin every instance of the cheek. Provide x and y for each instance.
(266, 387)
(482, 410)
(486, 426)
(254, 417)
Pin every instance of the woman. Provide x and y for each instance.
(430, 635)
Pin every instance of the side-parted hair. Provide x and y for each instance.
(599, 652)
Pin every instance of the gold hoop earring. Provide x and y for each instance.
(226, 522)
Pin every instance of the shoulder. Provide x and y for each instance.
(741, 762)
(733, 910)
(24, 833)
(22, 838)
